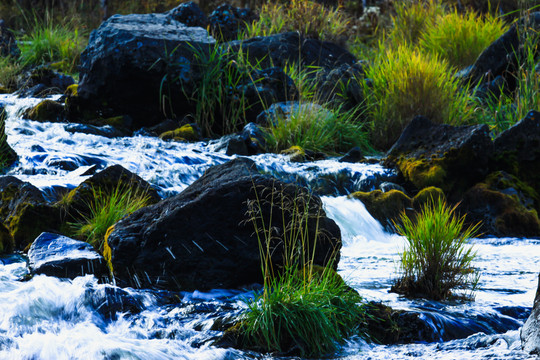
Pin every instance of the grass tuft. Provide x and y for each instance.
(405, 83)
(106, 209)
(438, 258)
(303, 306)
(460, 38)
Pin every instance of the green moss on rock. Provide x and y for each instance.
(295, 153)
(72, 90)
(426, 195)
(6, 240)
(384, 206)
(30, 220)
(185, 133)
(47, 110)
(423, 173)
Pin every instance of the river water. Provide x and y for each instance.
(49, 318)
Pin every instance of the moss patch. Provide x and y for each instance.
(423, 173)
(384, 206)
(295, 153)
(72, 90)
(31, 220)
(184, 133)
(47, 110)
(425, 195)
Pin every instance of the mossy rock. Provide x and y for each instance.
(77, 202)
(295, 153)
(452, 158)
(386, 207)
(427, 195)
(186, 132)
(72, 90)
(31, 220)
(47, 110)
(7, 243)
(423, 173)
(504, 206)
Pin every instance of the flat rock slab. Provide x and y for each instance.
(63, 257)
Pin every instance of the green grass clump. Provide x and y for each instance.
(9, 70)
(460, 38)
(48, 43)
(107, 208)
(437, 258)
(405, 83)
(308, 17)
(412, 18)
(315, 128)
(303, 307)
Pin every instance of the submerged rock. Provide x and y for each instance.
(202, 237)
(47, 110)
(59, 256)
(452, 158)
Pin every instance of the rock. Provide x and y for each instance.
(504, 205)
(105, 131)
(7, 155)
(387, 186)
(189, 14)
(227, 22)
(341, 85)
(78, 200)
(25, 212)
(501, 58)
(386, 207)
(59, 256)
(110, 301)
(427, 195)
(188, 132)
(530, 333)
(8, 44)
(43, 81)
(263, 88)
(201, 239)
(255, 138)
(233, 145)
(517, 150)
(291, 48)
(353, 156)
(47, 110)
(452, 158)
(156, 130)
(7, 243)
(127, 59)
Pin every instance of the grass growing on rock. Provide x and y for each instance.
(315, 128)
(405, 83)
(106, 209)
(303, 307)
(438, 258)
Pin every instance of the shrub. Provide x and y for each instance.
(405, 83)
(315, 128)
(308, 17)
(459, 39)
(437, 258)
(106, 209)
(303, 307)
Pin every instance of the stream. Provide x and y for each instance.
(50, 318)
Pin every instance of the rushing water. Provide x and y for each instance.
(49, 318)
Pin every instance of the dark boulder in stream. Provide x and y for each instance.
(530, 333)
(60, 256)
(202, 237)
(131, 59)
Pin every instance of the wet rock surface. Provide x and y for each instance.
(59, 256)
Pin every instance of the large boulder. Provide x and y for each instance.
(59, 256)
(517, 150)
(291, 48)
(203, 238)
(133, 62)
(25, 212)
(452, 158)
(530, 333)
(189, 14)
